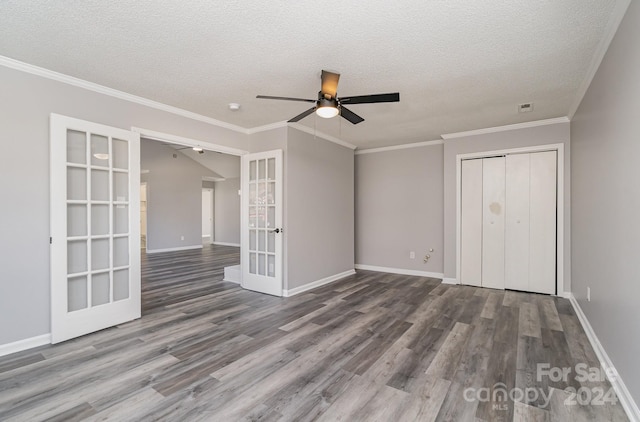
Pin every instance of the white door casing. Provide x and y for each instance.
(95, 227)
(262, 217)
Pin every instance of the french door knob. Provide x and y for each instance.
(276, 230)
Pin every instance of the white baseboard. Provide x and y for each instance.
(317, 283)
(626, 400)
(28, 343)
(449, 280)
(181, 248)
(399, 271)
(232, 274)
(237, 245)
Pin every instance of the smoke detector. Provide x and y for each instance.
(525, 107)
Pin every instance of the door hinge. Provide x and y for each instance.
(50, 240)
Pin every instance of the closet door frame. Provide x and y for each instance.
(559, 148)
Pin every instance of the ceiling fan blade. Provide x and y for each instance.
(269, 97)
(330, 83)
(302, 115)
(368, 99)
(350, 115)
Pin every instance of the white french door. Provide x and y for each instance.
(262, 231)
(95, 227)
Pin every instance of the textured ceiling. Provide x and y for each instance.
(458, 65)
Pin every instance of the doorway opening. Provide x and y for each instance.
(208, 232)
(192, 214)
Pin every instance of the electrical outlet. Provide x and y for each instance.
(181, 237)
(412, 255)
(588, 294)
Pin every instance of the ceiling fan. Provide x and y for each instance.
(330, 105)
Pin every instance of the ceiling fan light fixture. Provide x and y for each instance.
(327, 108)
(327, 112)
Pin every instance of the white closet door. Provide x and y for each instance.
(517, 222)
(493, 211)
(471, 223)
(542, 243)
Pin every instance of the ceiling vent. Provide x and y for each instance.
(525, 107)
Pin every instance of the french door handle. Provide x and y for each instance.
(277, 230)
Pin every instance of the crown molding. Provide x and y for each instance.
(516, 126)
(264, 128)
(322, 135)
(610, 31)
(80, 83)
(397, 147)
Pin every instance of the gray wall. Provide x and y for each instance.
(606, 201)
(174, 196)
(227, 211)
(541, 135)
(27, 101)
(320, 225)
(399, 208)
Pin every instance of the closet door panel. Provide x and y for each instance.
(471, 223)
(493, 222)
(542, 243)
(517, 222)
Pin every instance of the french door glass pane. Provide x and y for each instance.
(120, 186)
(271, 169)
(261, 264)
(99, 150)
(120, 285)
(261, 170)
(252, 194)
(99, 254)
(271, 241)
(271, 216)
(76, 293)
(271, 193)
(76, 183)
(76, 220)
(121, 251)
(253, 216)
(271, 265)
(76, 147)
(120, 150)
(252, 171)
(76, 256)
(100, 289)
(99, 185)
(252, 263)
(252, 240)
(99, 220)
(120, 219)
(261, 241)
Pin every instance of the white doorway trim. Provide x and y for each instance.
(559, 211)
(180, 140)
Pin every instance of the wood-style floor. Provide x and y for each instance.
(371, 347)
